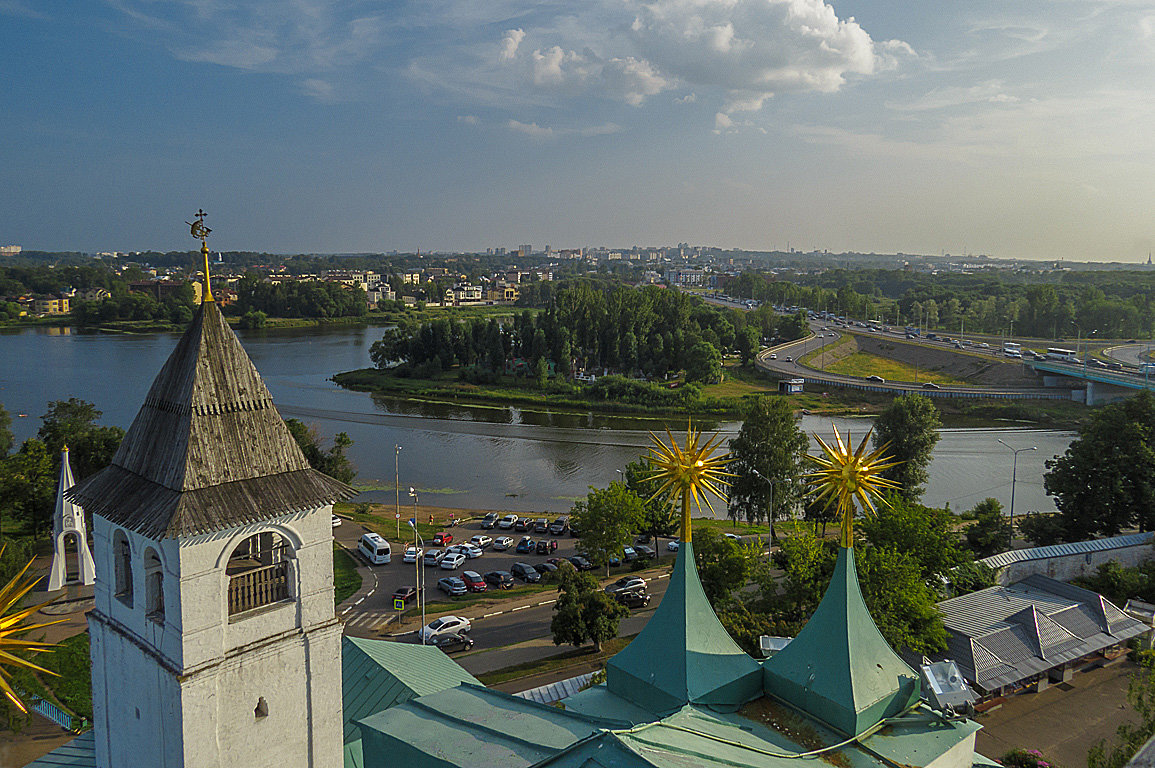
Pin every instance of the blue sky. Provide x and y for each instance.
(1018, 129)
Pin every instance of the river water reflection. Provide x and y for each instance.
(464, 456)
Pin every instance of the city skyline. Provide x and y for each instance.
(365, 127)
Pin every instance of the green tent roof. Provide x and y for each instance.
(378, 674)
(840, 669)
(684, 654)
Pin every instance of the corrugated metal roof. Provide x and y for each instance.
(562, 689)
(1061, 550)
(78, 753)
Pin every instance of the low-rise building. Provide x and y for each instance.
(1070, 561)
(51, 305)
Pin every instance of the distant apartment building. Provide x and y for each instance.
(524, 250)
(160, 289)
(502, 292)
(411, 277)
(570, 253)
(380, 292)
(10, 250)
(460, 294)
(51, 305)
(688, 277)
(92, 294)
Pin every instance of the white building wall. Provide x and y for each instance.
(1068, 567)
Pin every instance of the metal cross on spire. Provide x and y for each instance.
(201, 232)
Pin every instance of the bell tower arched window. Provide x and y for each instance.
(154, 586)
(258, 571)
(122, 563)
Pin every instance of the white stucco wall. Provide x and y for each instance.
(1067, 567)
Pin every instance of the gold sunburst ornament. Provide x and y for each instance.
(13, 624)
(689, 472)
(846, 476)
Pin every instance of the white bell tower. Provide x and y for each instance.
(68, 521)
(214, 639)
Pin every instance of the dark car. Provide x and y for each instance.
(541, 525)
(489, 520)
(526, 546)
(546, 567)
(451, 642)
(559, 526)
(523, 524)
(405, 594)
(581, 563)
(451, 585)
(633, 598)
(931, 385)
(499, 579)
(525, 572)
(644, 551)
(545, 546)
(573, 531)
(473, 581)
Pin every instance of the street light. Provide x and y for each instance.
(1015, 473)
(770, 539)
(397, 486)
(417, 563)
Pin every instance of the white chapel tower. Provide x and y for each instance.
(214, 640)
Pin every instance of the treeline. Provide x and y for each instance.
(177, 307)
(591, 325)
(1056, 305)
(298, 299)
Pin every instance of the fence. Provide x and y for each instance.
(260, 586)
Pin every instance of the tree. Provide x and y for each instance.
(583, 612)
(659, 518)
(990, 533)
(900, 601)
(332, 461)
(7, 439)
(72, 422)
(748, 342)
(923, 533)
(723, 564)
(607, 520)
(28, 485)
(910, 425)
(1041, 530)
(770, 446)
(1106, 479)
(704, 363)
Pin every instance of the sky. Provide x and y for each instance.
(1017, 130)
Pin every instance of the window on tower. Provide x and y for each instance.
(154, 586)
(258, 572)
(122, 556)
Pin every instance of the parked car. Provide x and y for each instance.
(412, 554)
(441, 538)
(580, 563)
(646, 552)
(523, 524)
(573, 531)
(732, 536)
(507, 522)
(499, 579)
(525, 546)
(545, 546)
(557, 561)
(626, 583)
(502, 543)
(629, 554)
(444, 626)
(673, 546)
(336, 521)
(458, 549)
(546, 567)
(525, 572)
(433, 557)
(559, 526)
(473, 581)
(489, 520)
(633, 599)
(452, 560)
(541, 525)
(405, 594)
(481, 541)
(453, 641)
(452, 586)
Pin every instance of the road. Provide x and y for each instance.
(1130, 354)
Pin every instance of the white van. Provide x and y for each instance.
(374, 548)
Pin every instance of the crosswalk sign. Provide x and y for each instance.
(398, 604)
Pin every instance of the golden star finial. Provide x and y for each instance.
(689, 472)
(845, 476)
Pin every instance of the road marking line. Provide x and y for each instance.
(360, 601)
(495, 613)
(547, 602)
(518, 608)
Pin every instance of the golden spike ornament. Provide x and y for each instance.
(201, 232)
(14, 624)
(845, 476)
(689, 473)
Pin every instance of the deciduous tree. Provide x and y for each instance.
(910, 425)
(771, 443)
(72, 422)
(583, 612)
(990, 533)
(607, 520)
(332, 461)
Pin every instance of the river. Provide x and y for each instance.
(457, 456)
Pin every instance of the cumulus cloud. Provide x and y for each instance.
(510, 43)
(632, 80)
(535, 131)
(319, 89)
(468, 119)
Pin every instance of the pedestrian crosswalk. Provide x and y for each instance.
(369, 621)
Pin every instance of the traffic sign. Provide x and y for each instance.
(398, 515)
(398, 604)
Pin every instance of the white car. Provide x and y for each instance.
(336, 521)
(412, 554)
(502, 543)
(507, 522)
(452, 560)
(773, 356)
(673, 546)
(481, 541)
(444, 626)
(472, 551)
(733, 536)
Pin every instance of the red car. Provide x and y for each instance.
(442, 538)
(473, 581)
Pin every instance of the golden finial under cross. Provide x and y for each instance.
(201, 232)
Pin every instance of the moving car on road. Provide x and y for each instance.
(626, 584)
(405, 594)
(453, 641)
(444, 626)
(633, 599)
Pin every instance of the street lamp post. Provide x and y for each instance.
(397, 487)
(420, 544)
(1015, 473)
(770, 539)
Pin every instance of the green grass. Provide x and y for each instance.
(560, 661)
(70, 659)
(865, 364)
(346, 579)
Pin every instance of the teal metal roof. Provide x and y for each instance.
(684, 654)
(472, 727)
(378, 674)
(78, 753)
(839, 668)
